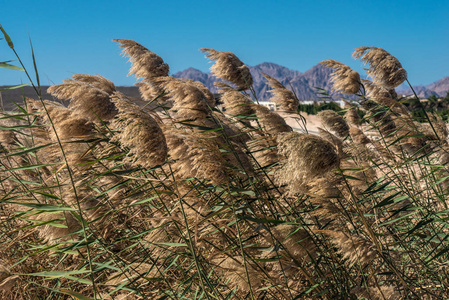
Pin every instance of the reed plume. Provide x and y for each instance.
(69, 128)
(147, 65)
(90, 98)
(307, 156)
(144, 63)
(383, 292)
(229, 67)
(271, 122)
(282, 96)
(333, 121)
(189, 101)
(139, 132)
(236, 103)
(375, 91)
(334, 140)
(352, 117)
(354, 249)
(210, 98)
(358, 136)
(7, 280)
(296, 242)
(234, 270)
(195, 155)
(96, 81)
(343, 77)
(384, 68)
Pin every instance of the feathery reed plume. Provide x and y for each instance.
(343, 77)
(189, 101)
(337, 142)
(334, 122)
(271, 122)
(71, 128)
(297, 242)
(352, 117)
(150, 91)
(439, 130)
(282, 96)
(264, 150)
(354, 249)
(322, 187)
(96, 81)
(8, 138)
(87, 96)
(52, 234)
(229, 67)
(234, 269)
(374, 91)
(378, 116)
(396, 107)
(144, 63)
(307, 156)
(195, 155)
(68, 125)
(211, 101)
(147, 65)
(383, 292)
(7, 280)
(385, 69)
(236, 103)
(139, 132)
(358, 136)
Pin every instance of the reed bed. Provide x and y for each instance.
(104, 196)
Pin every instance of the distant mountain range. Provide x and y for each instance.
(303, 84)
(439, 88)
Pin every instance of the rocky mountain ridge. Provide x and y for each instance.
(306, 85)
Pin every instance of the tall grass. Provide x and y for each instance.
(110, 197)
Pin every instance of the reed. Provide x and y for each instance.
(111, 197)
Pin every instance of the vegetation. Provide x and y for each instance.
(438, 106)
(166, 197)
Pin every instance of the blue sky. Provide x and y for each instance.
(74, 36)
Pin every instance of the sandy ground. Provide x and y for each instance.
(312, 122)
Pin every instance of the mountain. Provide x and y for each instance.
(303, 84)
(439, 88)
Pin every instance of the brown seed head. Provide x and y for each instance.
(385, 69)
(234, 270)
(282, 96)
(307, 156)
(209, 95)
(229, 67)
(139, 132)
(271, 122)
(352, 117)
(195, 155)
(358, 136)
(87, 96)
(189, 101)
(344, 78)
(354, 249)
(375, 91)
(333, 121)
(383, 292)
(144, 63)
(236, 103)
